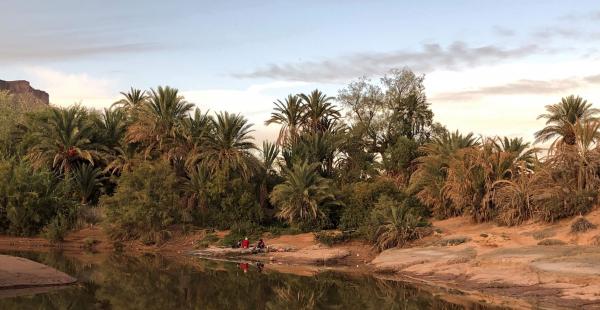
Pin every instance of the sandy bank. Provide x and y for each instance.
(506, 261)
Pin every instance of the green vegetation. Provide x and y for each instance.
(582, 225)
(371, 163)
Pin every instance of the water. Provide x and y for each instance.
(151, 282)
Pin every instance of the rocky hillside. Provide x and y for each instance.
(24, 88)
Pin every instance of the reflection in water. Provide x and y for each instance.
(149, 282)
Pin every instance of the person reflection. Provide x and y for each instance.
(244, 267)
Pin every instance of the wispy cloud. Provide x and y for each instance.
(503, 32)
(71, 51)
(521, 87)
(432, 56)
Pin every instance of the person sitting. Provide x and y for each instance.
(260, 247)
(261, 244)
(245, 243)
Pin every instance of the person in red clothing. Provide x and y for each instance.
(245, 243)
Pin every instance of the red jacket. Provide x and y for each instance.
(245, 244)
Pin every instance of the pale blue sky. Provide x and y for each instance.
(477, 54)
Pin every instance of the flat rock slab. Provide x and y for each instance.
(311, 256)
(17, 272)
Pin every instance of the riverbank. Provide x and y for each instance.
(501, 265)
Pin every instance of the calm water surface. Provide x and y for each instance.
(151, 282)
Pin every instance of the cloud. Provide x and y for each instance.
(432, 56)
(503, 32)
(70, 51)
(521, 87)
(68, 88)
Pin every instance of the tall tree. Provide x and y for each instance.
(63, 139)
(290, 114)
(303, 194)
(319, 110)
(229, 148)
(562, 116)
(158, 124)
(131, 100)
(395, 107)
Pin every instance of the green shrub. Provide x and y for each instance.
(595, 240)
(582, 225)
(31, 199)
(562, 204)
(394, 225)
(453, 241)
(360, 199)
(209, 239)
(333, 237)
(56, 230)
(242, 230)
(228, 202)
(549, 242)
(543, 234)
(145, 204)
(89, 243)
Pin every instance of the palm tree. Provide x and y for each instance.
(228, 148)
(514, 197)
(122, 158)
(303, 194)
(197, 129)
(87, 181)
(428, 182)
(560, 118)
(269, 153)
(112, 126)
(319, 110)
(198, 187)
(290, 115)
(131, 100)
(158, 124)
(64, 139)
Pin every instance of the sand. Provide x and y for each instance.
(506, 261)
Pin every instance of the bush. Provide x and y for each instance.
(56, 230)
(543, 234)
(549, 242)
(582, 225)
(333, 237)
(209, 239)
(89, 243)
(229, 202)
(394, 225)
(30, 200)
(561, 204)
(360, 199)
(453, 241)
(240, 231)
(145, 204)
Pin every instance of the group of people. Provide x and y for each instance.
(245, 244)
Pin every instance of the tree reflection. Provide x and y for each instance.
(150, 282)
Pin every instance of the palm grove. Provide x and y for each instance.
(371, 163)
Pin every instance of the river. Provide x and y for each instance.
(153, 282)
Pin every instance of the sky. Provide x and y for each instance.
(490, 66)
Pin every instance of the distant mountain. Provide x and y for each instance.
(23, 88)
